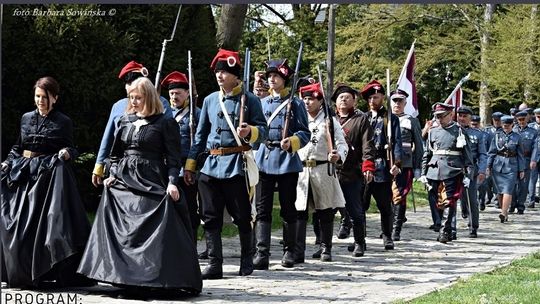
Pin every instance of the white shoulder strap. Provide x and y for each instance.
(228, 119)
(278, 109)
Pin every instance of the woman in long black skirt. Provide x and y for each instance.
(141, 238)
(43, 224)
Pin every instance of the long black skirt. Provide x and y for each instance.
(43, 223)
(140, 238)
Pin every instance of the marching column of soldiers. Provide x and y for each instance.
(317, 150)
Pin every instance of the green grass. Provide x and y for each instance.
(420, 199)
(518, 282)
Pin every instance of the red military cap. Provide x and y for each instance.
(313, 89)
(226, 60)
(371, 88)
(132, 71)
(175, 80)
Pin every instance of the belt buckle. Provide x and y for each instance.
(311, 163)
(27, 154)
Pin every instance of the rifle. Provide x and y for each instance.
(389, 122)
(331, 137)
(191, 102)
(285, 131)
(165, 41)
(247, 66)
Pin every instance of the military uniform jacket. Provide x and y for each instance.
(181, 115)
(535, 126)
(411, 141)
(528, 139)
(271, 159)
(442, 158)
(326, 189)
(510, 143)
(478, 150)
(359, 138)
(490, 132)
(382, 170)
(213, 132)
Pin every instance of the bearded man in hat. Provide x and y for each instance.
(260, 85)
(385, 171)
(222, 181)
(178, 86)
(446, 163)
(358, 167)
(278, 163)
(411, 162)
(128, 74)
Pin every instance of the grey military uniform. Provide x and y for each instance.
(443, 159)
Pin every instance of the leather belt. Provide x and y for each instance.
(230, 150)
(310, 163)
(145, 155)
(446, 152)
(507, 153)
(273, 143)
(30, 154)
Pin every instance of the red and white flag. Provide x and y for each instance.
(456, 99)
(407, 83)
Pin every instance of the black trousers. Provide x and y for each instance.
(382, 192)
(216, 194)
(190, 192)
(286, 185)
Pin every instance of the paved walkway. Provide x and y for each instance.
(417, 266)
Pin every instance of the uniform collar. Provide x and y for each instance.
(282, 94)
(235, 91)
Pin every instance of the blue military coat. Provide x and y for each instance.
(181, 115)
(478, 150)
(528, 138)
(271, 159)
(213, 132)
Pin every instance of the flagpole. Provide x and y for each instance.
(461, 82)
(404, 70)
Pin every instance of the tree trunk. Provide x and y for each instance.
(485, 100)
(530, 56)
(231, 26)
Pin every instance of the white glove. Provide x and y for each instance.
(417, 173)
(466, 182)
(423, 179)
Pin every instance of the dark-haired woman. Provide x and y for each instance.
(43, 223)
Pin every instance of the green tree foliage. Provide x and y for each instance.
(515, 43)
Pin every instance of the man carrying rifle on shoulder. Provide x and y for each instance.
(222, 181)
(178, 85)
(279, 163)
(317, 187)
(387, 159)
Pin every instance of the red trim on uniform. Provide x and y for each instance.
(368, 165)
